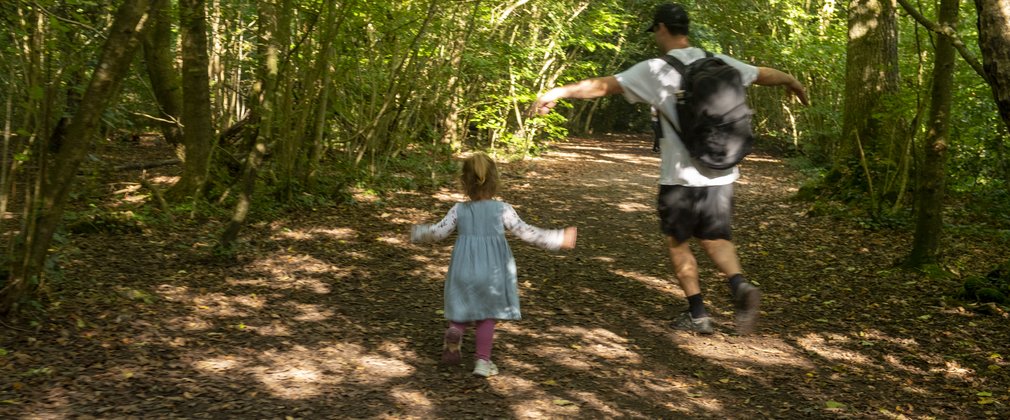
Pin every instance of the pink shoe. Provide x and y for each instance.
(452, 343)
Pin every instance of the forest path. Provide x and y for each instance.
(333, 314)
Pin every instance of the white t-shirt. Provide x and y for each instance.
(656, 82)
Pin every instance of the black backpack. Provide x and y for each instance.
(714, 116)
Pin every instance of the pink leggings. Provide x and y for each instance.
(484, 333)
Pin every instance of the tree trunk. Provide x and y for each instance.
(262, 116)
(28, 263)
(198, 131)
(871, 71)
(994, 41)
(286, 112)
(159, 56)
(932, 187)
(313, 155)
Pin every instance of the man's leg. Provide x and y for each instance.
(723, 255)
(685, 267)
(746, 297)
(677, 216)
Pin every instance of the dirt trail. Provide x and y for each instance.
(333, 314)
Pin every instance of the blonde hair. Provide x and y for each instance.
(479, 177)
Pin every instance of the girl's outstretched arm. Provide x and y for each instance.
(437, 231)
(552, 239)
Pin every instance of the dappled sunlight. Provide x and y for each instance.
(593, 401)
(897, 363)
(952, 369)
(164, 180)
(566, 155)
(755, 158)
(188, 323)
(334, 233)
(600, 343)
(301, 372)
(132, 194)
(877, 335)
(220, 305)
(412, 215)
(568, 357)
(682, 398)
(743, 355)
(276, 328)
(413, 401)
(450, 196)
(658, 284)
(309, 312)
(296, 235)
(173, 293)
(391, 240)
(220, 365)
(632, 207)
(862, 29)
(829, 347)
(286, 272)
(379, 368)
(637, 159)
(527, 396)
(290, 376)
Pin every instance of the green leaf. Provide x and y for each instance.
(834, 405)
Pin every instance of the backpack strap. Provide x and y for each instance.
(682, 69)
(679, 65)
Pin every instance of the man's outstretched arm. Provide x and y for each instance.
(768, 76)
(583, 89)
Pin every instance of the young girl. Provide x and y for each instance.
(481, 286)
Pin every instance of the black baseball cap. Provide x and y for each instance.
(672, 15)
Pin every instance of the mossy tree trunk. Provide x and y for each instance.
(159, 58)
(198, 128)
(871, 73)
(932, 186)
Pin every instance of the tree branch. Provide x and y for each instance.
(945, 31)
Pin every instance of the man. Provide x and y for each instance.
(694, 200)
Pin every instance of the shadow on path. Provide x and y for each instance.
(333, 314)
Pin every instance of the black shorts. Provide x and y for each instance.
(701, 212)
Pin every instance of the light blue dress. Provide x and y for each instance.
(481, 283)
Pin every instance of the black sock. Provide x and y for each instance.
(697, 305)
(735, 282)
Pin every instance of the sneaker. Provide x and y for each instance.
(687, 322)
(485, 368)
(451, 345)
(747, 300)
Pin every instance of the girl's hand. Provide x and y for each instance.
(569, 241)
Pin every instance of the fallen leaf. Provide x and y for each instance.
(834, 405)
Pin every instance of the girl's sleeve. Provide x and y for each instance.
(436, 231)
(544, 238)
